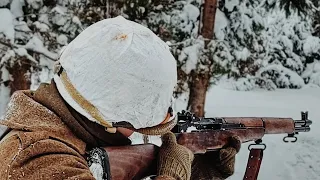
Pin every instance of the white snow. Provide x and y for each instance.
(230, 4)
(62, 39)
(313, 71)
(76, 20)
(6, 22)
(241, 84)
(35, 44)
(60, 17)
(22, 26)
(4, 2)
(184, 19)
(142, 9)
(8, 55)
(23, 52)
(311, 45)
(4, 91)
(221, 22)
(287, 42)
(285, 76)
(191, 53)
(192, 12)
(58, 9)
(43, 76)
(243, 54)
(36, 4)
(16, 8)
(41, 26)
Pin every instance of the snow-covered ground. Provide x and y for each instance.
(294, 161)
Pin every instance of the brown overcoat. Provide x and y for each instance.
(48, 141)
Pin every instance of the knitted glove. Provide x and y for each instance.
(216, 165)
(174, 160)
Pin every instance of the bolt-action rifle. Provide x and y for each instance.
(201, 135)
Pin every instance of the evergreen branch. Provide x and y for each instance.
(7, 44)
(65, 14)
(33, 50)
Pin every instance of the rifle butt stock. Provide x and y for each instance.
(132, 162)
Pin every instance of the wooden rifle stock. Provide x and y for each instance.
(138, 161)
(132, 162)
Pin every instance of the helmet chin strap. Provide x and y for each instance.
(81, 101)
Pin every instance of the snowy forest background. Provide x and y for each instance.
(265, 44)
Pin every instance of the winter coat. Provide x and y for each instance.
(49, 140)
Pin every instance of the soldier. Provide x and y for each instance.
(115, 78)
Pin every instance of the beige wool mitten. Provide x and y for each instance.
(174, 160)
(216, 165)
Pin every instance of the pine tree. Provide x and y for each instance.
(268, 52)
(316, 19)
(239, 46)
(284, 62)
(35, 34)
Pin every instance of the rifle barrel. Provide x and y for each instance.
(302, 122)
(302, 125)
(302, 129)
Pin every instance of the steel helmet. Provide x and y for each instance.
(118, 70)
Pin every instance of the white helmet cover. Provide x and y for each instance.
(123, 69)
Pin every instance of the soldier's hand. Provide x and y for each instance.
(227, 156)
(174, 160)
(219, 164)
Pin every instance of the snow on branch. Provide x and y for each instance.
(22, 50)
(36, 45)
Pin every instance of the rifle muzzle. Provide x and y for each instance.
(302, 125)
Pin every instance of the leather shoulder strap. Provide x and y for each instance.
(253, 166)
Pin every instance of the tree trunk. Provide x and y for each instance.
(208, 19)
(198, 90)
(199, 82)
(20, 73)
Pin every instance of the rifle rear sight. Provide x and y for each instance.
(188, 120)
